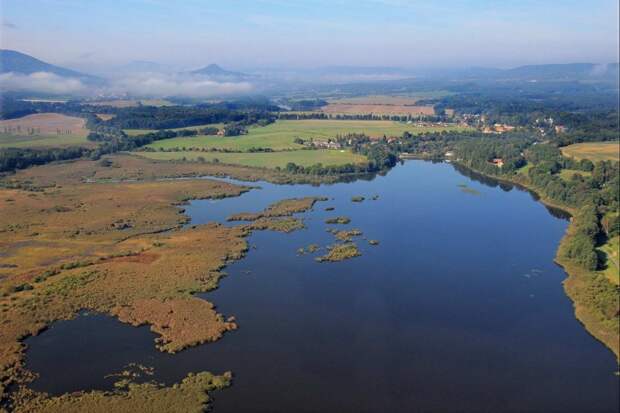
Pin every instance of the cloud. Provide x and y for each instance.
(42, 82)
(142, 85)
(161, 85)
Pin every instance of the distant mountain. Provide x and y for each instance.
(547, 72)
(564, 71)
(215, 72)
(16, 62)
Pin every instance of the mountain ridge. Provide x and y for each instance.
(12, 61)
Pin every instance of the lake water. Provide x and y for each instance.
(459, 309)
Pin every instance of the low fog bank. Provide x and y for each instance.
(147, 85)
(215, 82)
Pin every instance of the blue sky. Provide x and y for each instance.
(296, 33)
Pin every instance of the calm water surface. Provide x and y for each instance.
(459, 309)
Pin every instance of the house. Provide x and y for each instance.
(325, 144)
(560, 129)
(499, 162)
(501, 127)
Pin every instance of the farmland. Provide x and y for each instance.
(594, 151)
(381, 105)
(281, 135)
(264, 159)
(43, 130)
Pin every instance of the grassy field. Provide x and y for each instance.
(524, 170)
(280, 135)
(136, 132)
(264, 159)
(611, 249)
(43, 130)
(567, 174)
(594, 151)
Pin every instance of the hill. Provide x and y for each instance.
(548, 72)
(16, 62)
(216, 72)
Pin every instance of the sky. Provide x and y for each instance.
(240, 34)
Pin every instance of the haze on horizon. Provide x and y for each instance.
(240, 34)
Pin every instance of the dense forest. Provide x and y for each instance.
(167, 117)
(14, 158)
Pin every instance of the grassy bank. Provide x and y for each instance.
(594, 297)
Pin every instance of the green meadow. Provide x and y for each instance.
(611, 250)
(281, 134)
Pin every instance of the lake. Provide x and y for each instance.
(459, 308)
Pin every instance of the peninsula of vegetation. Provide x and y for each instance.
(115, 248)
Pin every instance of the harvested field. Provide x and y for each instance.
(594, 151)
(380, 105)
(378, 109)
(43, 130)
